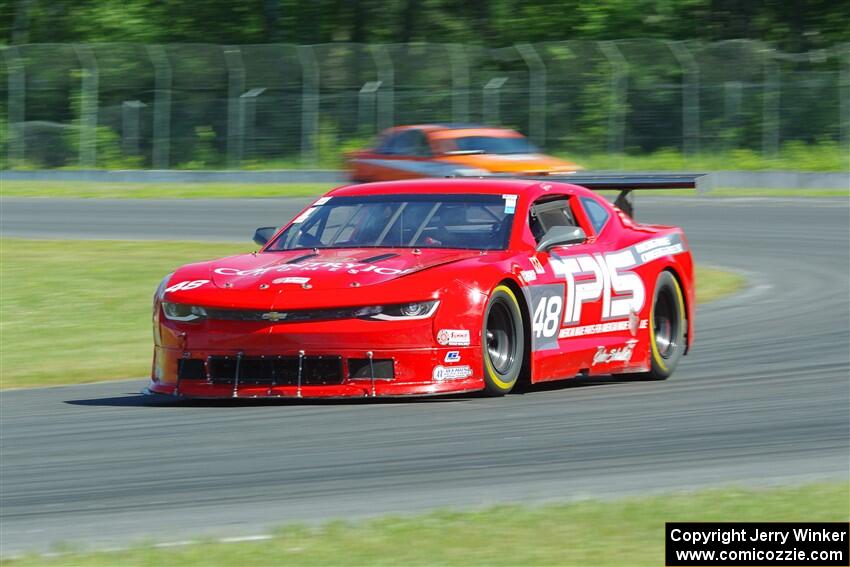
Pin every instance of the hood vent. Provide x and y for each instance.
(378, 258)
(300, 259)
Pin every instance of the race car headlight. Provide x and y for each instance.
(414, 309)
(183, 312)
(404, 311)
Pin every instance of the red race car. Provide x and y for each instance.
(431, 287)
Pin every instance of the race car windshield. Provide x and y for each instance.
(477, 222)
(494, 145)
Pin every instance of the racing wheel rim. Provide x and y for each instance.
(665, 325)
(501, 342)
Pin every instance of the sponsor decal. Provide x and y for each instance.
(444, 373)
(601, 276)
(187, 285)
(528, 276)
(291, 280)
(622, 354)
(350, 267)
(600, 329)
(304, 216)
(510, 203)
(657, 247)
(538, 267)
(453, 337)
(452, 356)
(608, 279)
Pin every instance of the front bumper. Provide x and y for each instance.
(415, 372)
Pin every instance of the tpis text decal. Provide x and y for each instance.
(588, 278)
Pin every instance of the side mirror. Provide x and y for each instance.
(561, 236)
(264, 234)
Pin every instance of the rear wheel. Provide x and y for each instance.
(667, 325)
(502, 344)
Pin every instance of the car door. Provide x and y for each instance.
(568, 295)
(624, 311)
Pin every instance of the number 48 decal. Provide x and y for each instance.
(547, 316)
(190, 284)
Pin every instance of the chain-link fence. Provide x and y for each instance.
(212, 106)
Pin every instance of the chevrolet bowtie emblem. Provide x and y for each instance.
(273, 316)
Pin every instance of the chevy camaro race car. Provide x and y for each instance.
(431, 287)
(444, 150)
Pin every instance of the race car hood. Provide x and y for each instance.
(513, 163)
(335, 269)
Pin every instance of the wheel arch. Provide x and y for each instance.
(685, 298)
(525, 310)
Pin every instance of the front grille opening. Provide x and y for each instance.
(359, 368)
(191, 369)
(276, 370)
(322, 370)
(222, 369)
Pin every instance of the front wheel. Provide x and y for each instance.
(502, 342)
(667, 322)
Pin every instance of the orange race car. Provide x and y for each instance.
(451, 150)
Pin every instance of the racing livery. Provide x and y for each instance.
(430, 287)
(444, 150)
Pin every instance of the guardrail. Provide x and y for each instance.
(743, 179)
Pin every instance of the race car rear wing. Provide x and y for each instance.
(628, 182)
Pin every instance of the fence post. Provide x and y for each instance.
(309, 105)
(690, 96)
(619, 88)
(17, 106)
(733, 96)
(386, 95)
(131, 126)
(537, 92)
(235, 115)
(366, 107)
(491, 100)
(460, 82)
(161, 107)
(248, 120)
(88, 106)
(844, 94)
(770, 106)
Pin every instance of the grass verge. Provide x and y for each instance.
(791, 157)
(79, 311)
(621, 532)
(713, 283)
(70, 190)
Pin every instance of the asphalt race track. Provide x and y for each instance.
(764, 398)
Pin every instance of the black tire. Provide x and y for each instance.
(667, 325)
(503, 342)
